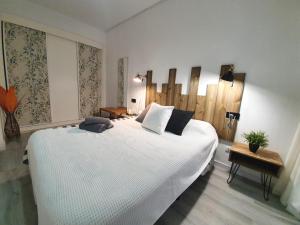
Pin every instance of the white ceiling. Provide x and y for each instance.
(103, 14)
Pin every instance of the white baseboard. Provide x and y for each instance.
(222, 164)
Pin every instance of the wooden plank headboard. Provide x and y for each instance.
(220, 98)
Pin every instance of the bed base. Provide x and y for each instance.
(209, 166)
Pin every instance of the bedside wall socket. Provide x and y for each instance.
(236, 116)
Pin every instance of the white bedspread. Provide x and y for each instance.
(126, 175)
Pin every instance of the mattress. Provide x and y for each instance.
(125, 175)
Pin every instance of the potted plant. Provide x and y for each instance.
(256, 139)
(9, 104)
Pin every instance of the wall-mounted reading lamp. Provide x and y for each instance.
(139, 78)
(228, 76)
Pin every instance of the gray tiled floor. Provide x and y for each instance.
(210, 200)
(11, 166)
(16, 198)
(16, 203)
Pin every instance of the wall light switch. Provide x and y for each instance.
(133, 100)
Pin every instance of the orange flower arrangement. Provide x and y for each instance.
(8, 100)
(9, 104)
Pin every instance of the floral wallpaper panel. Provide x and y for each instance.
(26, 59)
(90, 64)
(121, 75)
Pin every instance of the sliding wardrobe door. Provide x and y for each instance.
(62, 69)
(26, 60)
(89, 78)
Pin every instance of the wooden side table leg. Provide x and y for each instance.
(266, 182)
(233, 170)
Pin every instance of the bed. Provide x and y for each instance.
(125, 175)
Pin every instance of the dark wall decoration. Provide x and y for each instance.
(90, 63)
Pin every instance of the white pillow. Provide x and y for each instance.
(157, 118)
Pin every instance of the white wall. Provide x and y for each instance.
(262, 38)
(63, 76)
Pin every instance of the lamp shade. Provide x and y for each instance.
(228, 76)
(138, 78)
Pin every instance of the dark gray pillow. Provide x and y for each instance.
(96, 127)
(141, 117)
(98, 120)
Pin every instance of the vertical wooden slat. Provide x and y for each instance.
(220, 108)
(183, 102)
(171, 87)
(234, 103)
(200, 107)
(163, 97)
(236, 93)
(221, 101)
(210, 103)
(177, 95)
(193, 89)
(157, 97)
(228, 100)
(152, 93)
(148, 86)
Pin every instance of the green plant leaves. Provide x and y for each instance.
(257, 137)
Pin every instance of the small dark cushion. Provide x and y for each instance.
(141, 117)
(179, 119)
(97, 128)
(98, 120)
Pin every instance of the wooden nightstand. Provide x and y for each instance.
(114, 113)
(267, 162)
